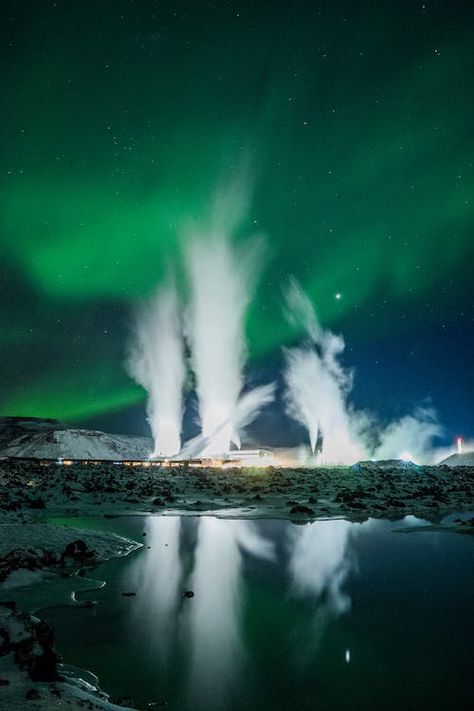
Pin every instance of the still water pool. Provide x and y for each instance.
(326, 615)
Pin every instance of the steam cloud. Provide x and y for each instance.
(317, 387)
(222, 283)
(156, 362)
(221, 280)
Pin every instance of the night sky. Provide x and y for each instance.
(121, 118)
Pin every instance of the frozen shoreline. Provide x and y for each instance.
(40, 563)
(30, 674)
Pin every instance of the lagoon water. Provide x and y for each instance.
(326, 615)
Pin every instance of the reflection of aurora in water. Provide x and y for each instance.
(281, 616)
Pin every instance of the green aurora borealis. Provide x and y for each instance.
(121, 119)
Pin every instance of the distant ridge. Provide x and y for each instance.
(466, 459)
(37, 438)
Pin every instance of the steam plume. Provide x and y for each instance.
(156, 362)
(222, 280)
(411, 437)
(317, 385)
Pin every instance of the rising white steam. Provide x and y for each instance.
(156, 362)
(317, 385)
(247, 409)
(222, 281)
(411, 438)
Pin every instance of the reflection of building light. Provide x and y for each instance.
(348, 656)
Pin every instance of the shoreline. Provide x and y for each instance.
(37, 501)
(80, 686)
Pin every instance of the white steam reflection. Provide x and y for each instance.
(206, 631)
(158, 578)
(217, 649)
(319, 564)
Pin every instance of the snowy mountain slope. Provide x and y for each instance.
(50, 439)
(466, 459)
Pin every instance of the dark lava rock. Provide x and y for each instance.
(345, 496)
(36, 504)
(9, 604)
(395, 502)
(44, 667)
(300, 509)
(79, 552)
(75, 549)
(33, 694)
(188, 593)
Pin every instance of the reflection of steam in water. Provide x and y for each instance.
(319, 564)
(157, 582)
(207, 630)
(217, 651)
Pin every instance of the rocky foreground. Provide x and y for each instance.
(32, 547)
(383, 490)
(30, 672)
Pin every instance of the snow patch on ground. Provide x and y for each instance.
(55, 538)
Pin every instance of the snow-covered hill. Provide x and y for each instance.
(51, 439)
(466, 459)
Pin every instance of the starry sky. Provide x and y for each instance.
(119, 120)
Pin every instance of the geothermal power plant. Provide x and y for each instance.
(197, 333)
(204, 332)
